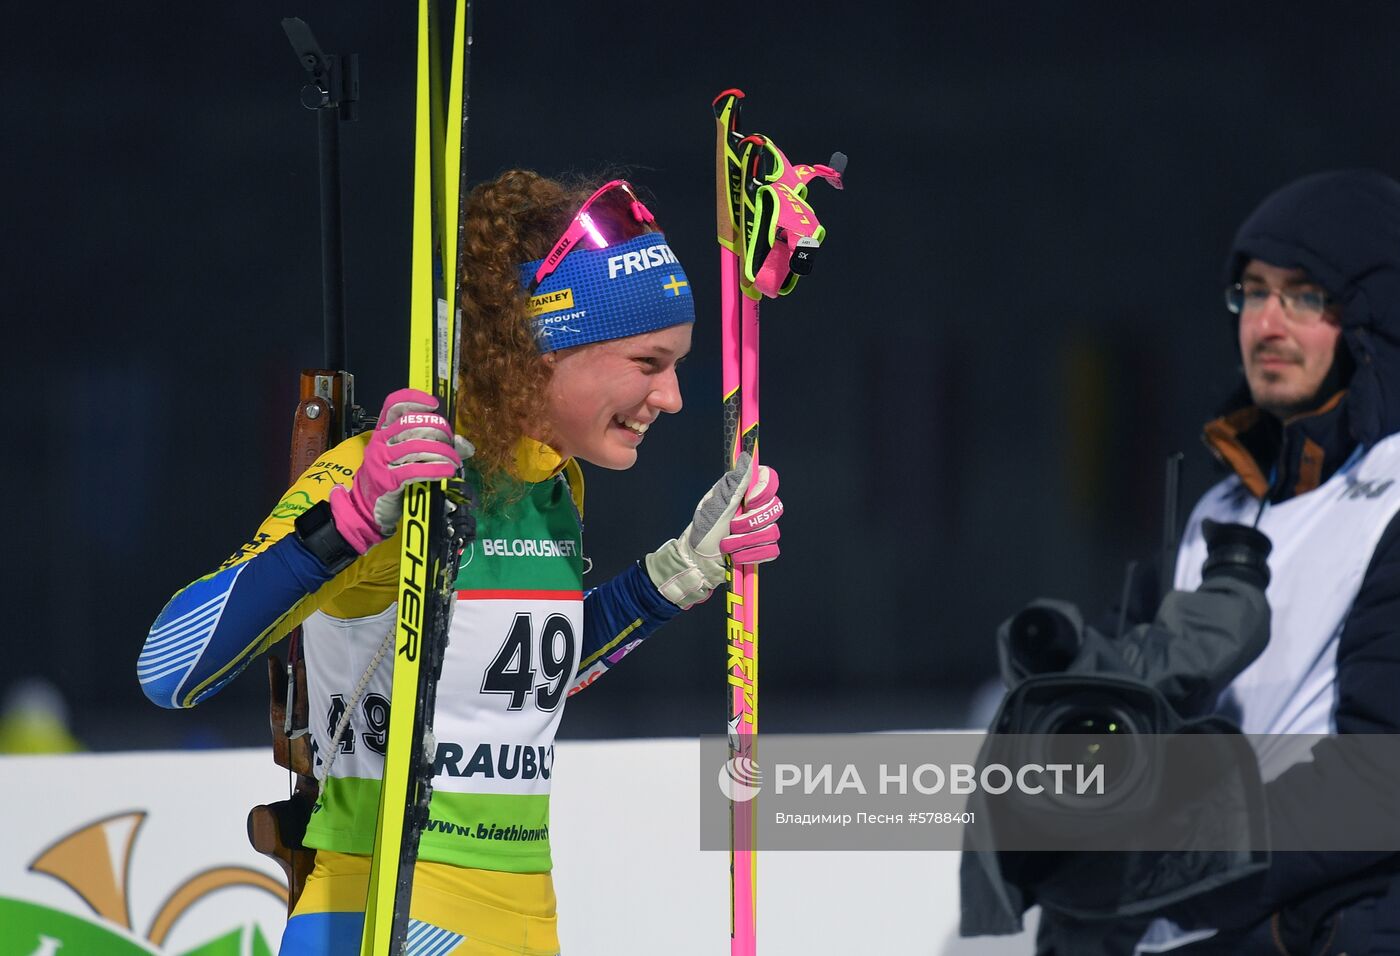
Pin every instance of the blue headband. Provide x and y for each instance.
(599, 294)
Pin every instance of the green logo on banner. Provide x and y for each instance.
(34, 930)
(85, 862)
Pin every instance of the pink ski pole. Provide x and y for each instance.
(767, 233)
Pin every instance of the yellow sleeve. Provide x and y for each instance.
(368, 585)
(210, 630)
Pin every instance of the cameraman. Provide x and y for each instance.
(1313, 278)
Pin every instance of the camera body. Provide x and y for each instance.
(1137, 709)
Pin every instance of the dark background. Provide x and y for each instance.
(1015, 318)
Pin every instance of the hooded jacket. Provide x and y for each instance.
(1343, 230)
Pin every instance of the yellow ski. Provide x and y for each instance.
(428, 561)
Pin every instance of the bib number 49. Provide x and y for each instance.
(523, 668)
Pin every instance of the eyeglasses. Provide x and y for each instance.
(611, 215)
(1304, 306)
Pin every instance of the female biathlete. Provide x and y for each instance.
(565, 359)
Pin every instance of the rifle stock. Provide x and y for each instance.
(275, 830)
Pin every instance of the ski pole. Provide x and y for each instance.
(767, 234)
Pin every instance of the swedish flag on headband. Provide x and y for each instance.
(598, 294)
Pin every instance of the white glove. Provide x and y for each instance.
(688, 568)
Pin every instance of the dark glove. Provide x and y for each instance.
(1237, 551)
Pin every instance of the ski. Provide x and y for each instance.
(431, 544)
(767, 234)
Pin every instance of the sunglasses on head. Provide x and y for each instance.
(611, 215)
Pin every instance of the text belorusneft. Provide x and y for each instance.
(529, 547)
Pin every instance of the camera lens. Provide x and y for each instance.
(1083, 737)
(1098, 737)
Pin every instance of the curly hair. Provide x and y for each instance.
(512, 219)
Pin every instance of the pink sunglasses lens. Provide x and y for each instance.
(613, 217)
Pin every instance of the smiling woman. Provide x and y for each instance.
(609, 307)
(604, 397)
(554, 241)
(575, 314)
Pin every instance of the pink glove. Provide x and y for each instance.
(753, 532)
(411, 443)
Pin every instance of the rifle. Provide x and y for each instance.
(326, 415)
